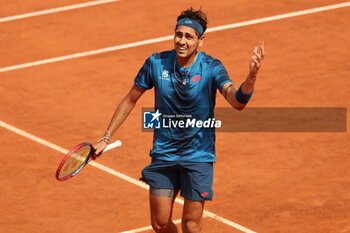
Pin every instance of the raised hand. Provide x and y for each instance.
(257, 58)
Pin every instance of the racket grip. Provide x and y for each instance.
(113, 145)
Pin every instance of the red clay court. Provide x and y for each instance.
(64, 69)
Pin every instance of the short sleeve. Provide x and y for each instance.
(219, 74)
(144, 78)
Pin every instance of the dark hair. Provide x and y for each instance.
(198, 16)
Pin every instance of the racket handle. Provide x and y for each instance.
(113, 145)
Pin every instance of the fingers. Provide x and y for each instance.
(256, 58)
(258, 55)
(96, 155)
(262, 50)
(99, 147)
(255, 62)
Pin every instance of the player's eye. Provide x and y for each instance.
(189, 36)
(178, 34)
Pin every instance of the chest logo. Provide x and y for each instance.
(196, 78)
(165, 74)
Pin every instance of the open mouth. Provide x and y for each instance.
(181, 50)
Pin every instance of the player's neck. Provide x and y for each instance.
(187, 61)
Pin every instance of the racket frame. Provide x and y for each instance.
(90, 157)
(87, 160)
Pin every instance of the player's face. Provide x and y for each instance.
(186, 41)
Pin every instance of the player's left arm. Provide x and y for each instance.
(239, 98)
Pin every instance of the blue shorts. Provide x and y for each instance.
(195, 180)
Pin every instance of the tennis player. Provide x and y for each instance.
(185, 81)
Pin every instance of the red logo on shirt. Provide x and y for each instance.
(196, 78)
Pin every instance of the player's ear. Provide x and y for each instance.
(201, 41)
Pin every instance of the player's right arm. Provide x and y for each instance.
(120, 114)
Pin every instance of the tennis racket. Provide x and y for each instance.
(77, 158)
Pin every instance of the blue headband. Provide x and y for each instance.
(192, 24)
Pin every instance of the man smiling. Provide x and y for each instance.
(185, 82)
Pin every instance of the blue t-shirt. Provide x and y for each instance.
(177, 102)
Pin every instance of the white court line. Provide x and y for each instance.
(115, 173)
(166, 38)
(281, 16)
(55, 10)
(84, 54)
(65, 151)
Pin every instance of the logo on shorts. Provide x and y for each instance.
(204, 194)
(151, 120)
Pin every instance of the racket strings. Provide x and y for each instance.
(75, 161)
